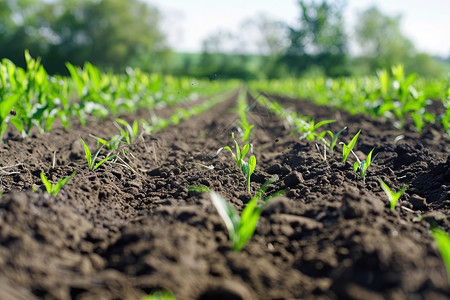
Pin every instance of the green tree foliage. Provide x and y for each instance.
(383, 45)
(381, 40)
(109, 33)
(320, 39)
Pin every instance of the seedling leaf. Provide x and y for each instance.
(228, 215)
(443, 242)
(335, 137)
(346, 149)
(47, 184)
(392, 195)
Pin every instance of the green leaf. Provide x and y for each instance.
(18, 123)
(251, 165)
(61, 183)
(76, 78)
(247, 226)
(103, 160)
(47, 184)
(346, 149)
(198, 188)
(321, 123)
(392, 195)
(244, 151)
(88, 154)
(335, 137)
(443, 241)
(6, 105)
(227, 213)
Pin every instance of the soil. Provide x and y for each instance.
(132, 226)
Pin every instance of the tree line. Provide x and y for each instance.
(114, 34)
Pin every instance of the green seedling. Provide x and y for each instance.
(198, 188)
(363, 165)
(346, 149)
(53, 189)
(309, 129)
(393, 196)
(131, 130)
(247, 167)
(246, 130)
(112, 144)
(7, 102)
(443, 242)
(241, 229)
(91, 159)
(245, 127)
(159, 295)
(334, 138)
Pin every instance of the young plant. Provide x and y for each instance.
(159, 295)
(131, 130)
(334, 138)
(198, 188)
(111, 145)
(53, 189)
(363, 165)
(241, 229)
(346, 149)
(393, 196)
(309, 129)
(7, 102)
(247, 167)
(443, 241)
(245, 127)
(91, 159)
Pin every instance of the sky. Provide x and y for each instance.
(188, 22)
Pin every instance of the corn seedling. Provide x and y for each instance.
(363, 165)
(53, 189)
(6, 104)
(111, 145)
(309, 129)
(245, 128)
(198, 188)
(159, 295)
(393, 196)
(443, 242)
(247, 167)
(131, 130)
(334, 138)
(241, 229)
(346, 149)
(91, 159)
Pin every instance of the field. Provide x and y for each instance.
(141, 217)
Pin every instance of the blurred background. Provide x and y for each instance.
(231, 39)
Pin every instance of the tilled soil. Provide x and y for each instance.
(132, 226)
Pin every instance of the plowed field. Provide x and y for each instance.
(132, 226)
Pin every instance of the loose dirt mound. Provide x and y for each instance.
(120, 232)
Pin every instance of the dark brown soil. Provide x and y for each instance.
(120, 233)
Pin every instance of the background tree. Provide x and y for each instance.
(383, 45)
(381, 40)
(109, 33)
(320, 39)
